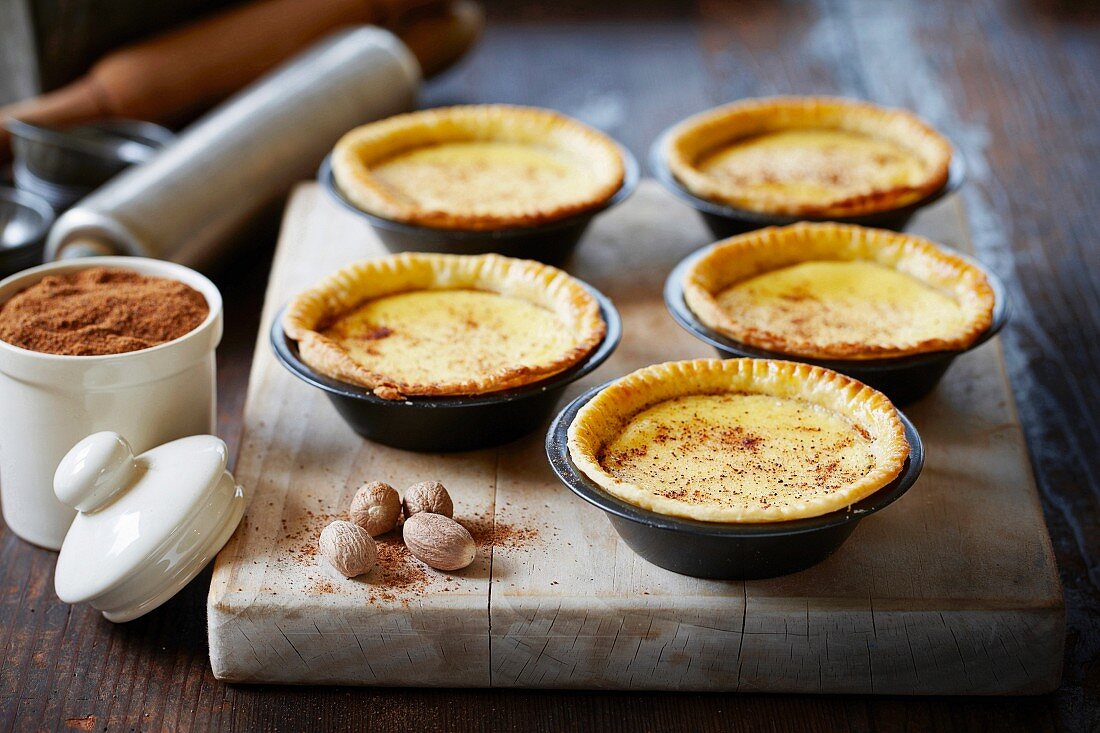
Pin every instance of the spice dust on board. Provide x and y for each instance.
(398, 577)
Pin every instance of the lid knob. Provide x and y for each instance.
(93, 471)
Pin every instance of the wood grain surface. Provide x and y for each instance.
(1015, 83)
(953, 590)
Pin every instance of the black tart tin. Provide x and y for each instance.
(725, 551)
(441, 424)
(903, 379)
(551, 243)
(726, 221)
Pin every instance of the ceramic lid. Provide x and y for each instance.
(146, 524)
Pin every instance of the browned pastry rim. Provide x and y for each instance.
(369, 145)
(702, 134)
(348, 288)
(748, 255)
(606, 415)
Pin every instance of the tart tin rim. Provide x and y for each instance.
(288, 356)
(956, 176)
(562, 464)
(631, 177)
(683, 315)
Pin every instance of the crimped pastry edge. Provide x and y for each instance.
(606, 414)
(347, 288)
(708, 130)
(754, 253)
(356, 150)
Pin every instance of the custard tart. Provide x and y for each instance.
(738, 441)
(432, 324)
(477, 167)
(815, 157)
(835, 291)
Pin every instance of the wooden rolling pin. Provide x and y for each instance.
(180, 73)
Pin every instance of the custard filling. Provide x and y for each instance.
(434, 336)
(838, 302)
(814, 164)
(482, 177)
(739, 451)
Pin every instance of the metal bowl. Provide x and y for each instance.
(25, 219)
(63, 165)
(551, 243)
(726, 221)
(903, 379)
(717, 550)
(438, 424)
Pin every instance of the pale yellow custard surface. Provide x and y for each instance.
(738, 452)
(738, 440)
(482, 178)
(418, 324)
(831, 304)
(477, 167)
(445, 336)
(805, 166)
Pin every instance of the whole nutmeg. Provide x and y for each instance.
(348, 548)
(376, 507)
(439, 541)
(428, 496)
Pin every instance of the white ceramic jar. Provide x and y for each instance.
(49, 402)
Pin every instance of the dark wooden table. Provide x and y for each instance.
(1016, 85)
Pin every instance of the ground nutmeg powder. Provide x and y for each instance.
(100, 311)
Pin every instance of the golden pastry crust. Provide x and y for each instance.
(842, 190)
(593, 156)
(312, 312)
(879, 439)
(744, 257)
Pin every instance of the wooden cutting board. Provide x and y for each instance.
(952, 590)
